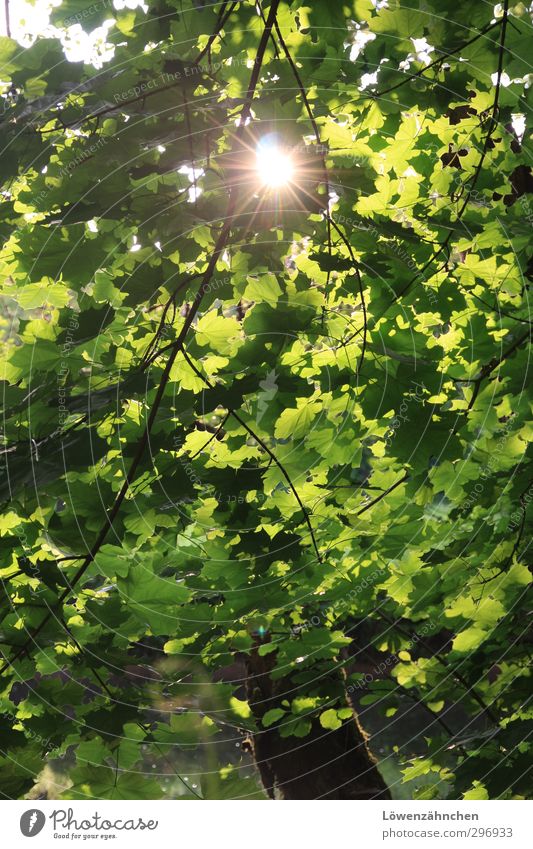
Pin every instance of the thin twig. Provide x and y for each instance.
(382, 495)
(475, 176)
(268, 450)
(436, 61)
(223, 16)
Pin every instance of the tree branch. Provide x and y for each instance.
(268, 450)
(177, 346)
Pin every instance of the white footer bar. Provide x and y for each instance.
(264, 825)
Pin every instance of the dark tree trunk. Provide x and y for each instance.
(325, 764)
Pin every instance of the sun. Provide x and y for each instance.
(273, 165)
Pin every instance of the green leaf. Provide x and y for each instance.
(220, 334)
(272, 716)
(296, 422)
(469, 639)
(264, 288)
(329, 719)
(154, 600)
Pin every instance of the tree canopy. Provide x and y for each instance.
(265, 434)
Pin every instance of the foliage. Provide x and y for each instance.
(230, 421)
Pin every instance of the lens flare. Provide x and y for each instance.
(274, 167)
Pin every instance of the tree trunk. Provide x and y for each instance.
(325, 764)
